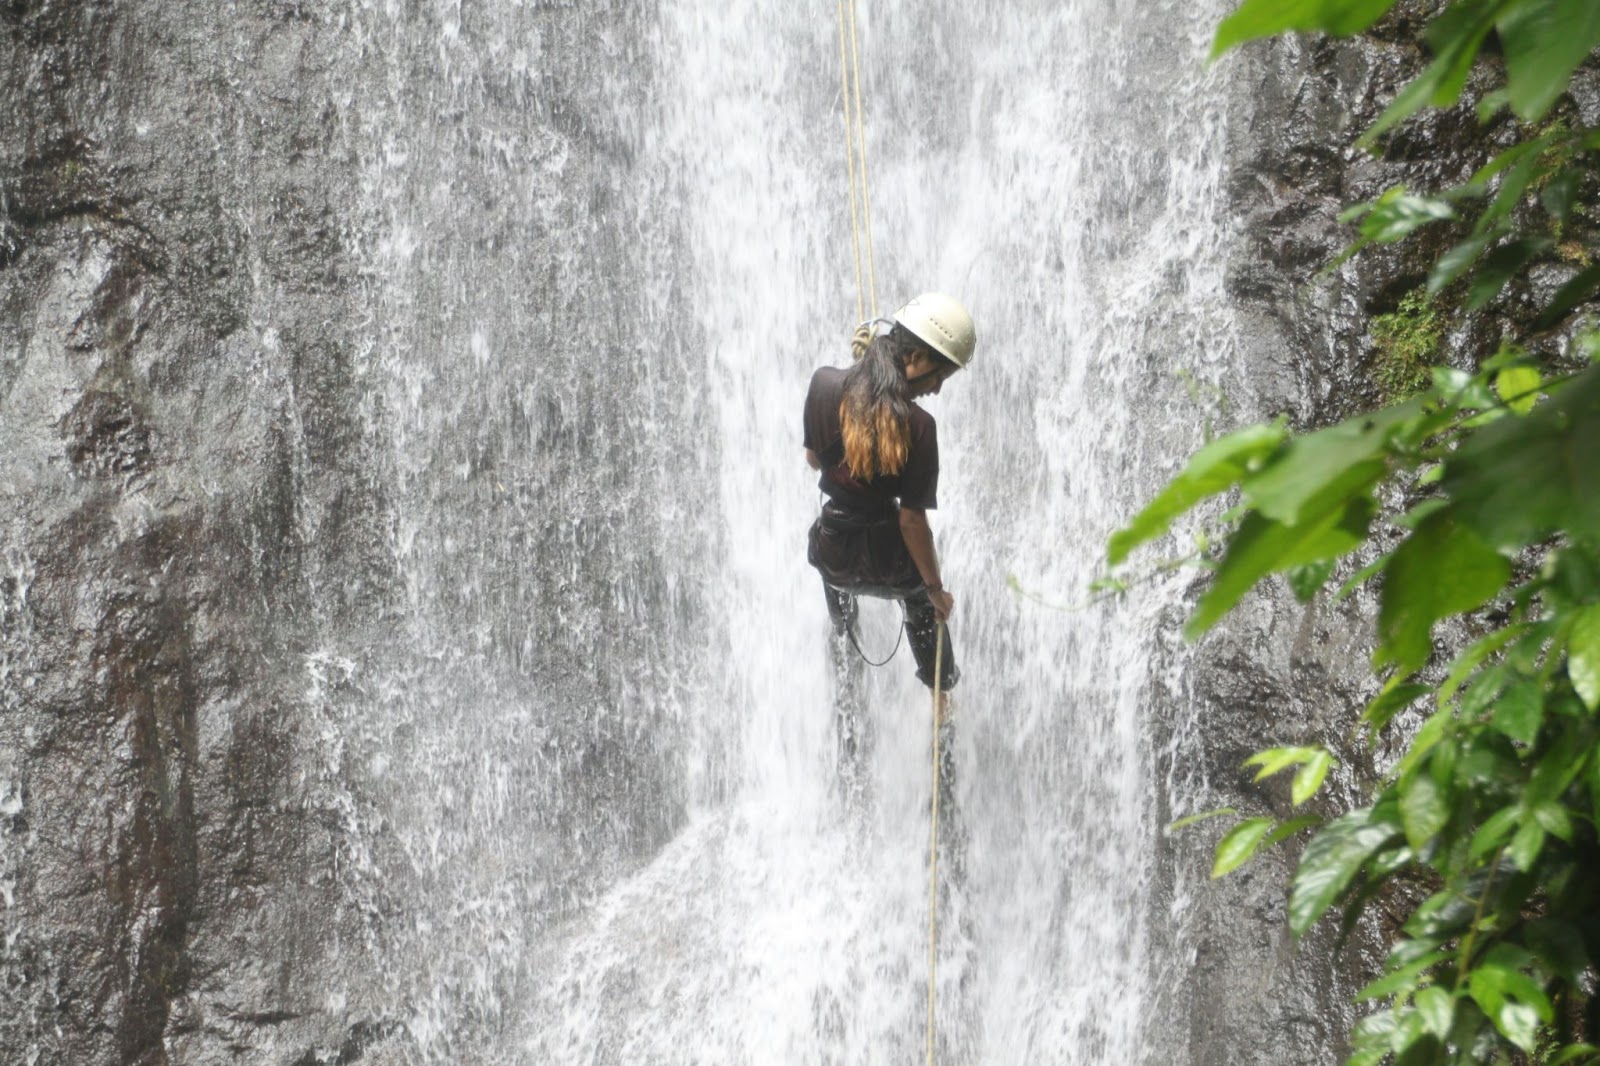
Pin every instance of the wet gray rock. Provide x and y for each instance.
(167, 457)
(198, 578)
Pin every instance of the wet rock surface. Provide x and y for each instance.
(165, 453)
(196, 503)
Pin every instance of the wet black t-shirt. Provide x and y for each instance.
(917, 484)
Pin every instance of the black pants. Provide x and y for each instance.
(921, 632)
(865, 555)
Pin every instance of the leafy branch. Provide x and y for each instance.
(1495, 799)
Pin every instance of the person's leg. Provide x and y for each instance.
(921, 631)
(852, 729)
(841, 609)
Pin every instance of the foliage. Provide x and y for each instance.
(1408, 343)
(1494, 803)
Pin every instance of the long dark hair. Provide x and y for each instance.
(875, 413)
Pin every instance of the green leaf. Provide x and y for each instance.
(1414, 517)
(1423, 1049)
(1559, 946)
(1411, 949)
(1455, 37)
(1493, 832)
(1321, 469)
(1521, 479)
(1360, 577)
(1569, 296)
(1424, 809)
(1526, 845)
(1484, 769)
(1508, 354)
(1544, 42)
(1438, 1010)
(1469, 660)
(1211, 470)
(1519, 1024)
(1455, 262)
(1518, 387)
(1276, 760)
(1507, 159)
(1576, 1053)
(1199, 816)
(1329, 863)
(1501, 265)
(1309, 777)
(1404, 977)
(1235, 849)
(1491, 105)
(1261, 546)
(1307, 581)
(1433, 730)
(1512, 1000)
(1285, 830)
(1574, 578)
(1264, 18)
(1445, 913)
(1395, 697)
(1594, 789)
(1376, 1030)
(1397, 214)
(1509, 195)
(1553, 819)
(1442, 569)
(1583, 656)
(1486, 688)
(1559, 766)
(1520, 711)
(1411, 1046)
(1560, 193)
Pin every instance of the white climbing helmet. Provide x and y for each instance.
(942, 323)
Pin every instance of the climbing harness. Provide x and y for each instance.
(856, 644)
(933, 834)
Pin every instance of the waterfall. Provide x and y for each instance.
(577, 759)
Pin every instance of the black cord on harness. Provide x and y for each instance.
(851, 630)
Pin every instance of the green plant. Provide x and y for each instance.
(1408, 342)
(1495, 800)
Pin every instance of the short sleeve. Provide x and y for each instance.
(810, 431)
(919, 480)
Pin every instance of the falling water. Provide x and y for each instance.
(587, 763)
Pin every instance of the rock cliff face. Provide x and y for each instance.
(197, 501)
(176, 480)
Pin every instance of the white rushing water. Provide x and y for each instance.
(593, 783)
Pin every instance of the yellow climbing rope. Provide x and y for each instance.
(855, 149)
(933, 833)
(855, 156)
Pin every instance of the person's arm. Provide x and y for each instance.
(918, 536)
(811, 457)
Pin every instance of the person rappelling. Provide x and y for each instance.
(878, 453)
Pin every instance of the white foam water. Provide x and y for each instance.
(601, 772)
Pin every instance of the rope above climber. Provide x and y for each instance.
(878, 453)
